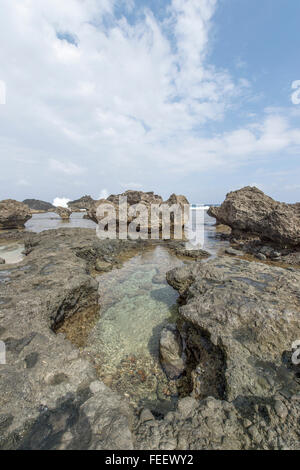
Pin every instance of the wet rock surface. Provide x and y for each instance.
(238, 321)
(13, 214)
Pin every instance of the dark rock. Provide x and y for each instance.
(37, 205)
(85, 202)
(2, 261)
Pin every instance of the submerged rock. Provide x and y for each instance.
(249, 211)
(13, 214)
(171, 351)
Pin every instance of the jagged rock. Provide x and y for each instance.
(251, 312)
(170, 349)
(250, 211)
(136, 197)
(177, 199)
(37, 205)
(13, 214)
(85, 202)
(50, 396)
(63, 212)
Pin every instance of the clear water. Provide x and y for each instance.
(136, 303)
(51, 220)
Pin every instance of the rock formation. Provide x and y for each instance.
(85, 202)
(249, 211)
(37, 205)
(135, 197)
(2, 261)
(140, 197)
(63, 212)
(13, 214)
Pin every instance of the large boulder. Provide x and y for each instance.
(63, 212)
(37, 205)
(243, 319)
(84, 203)
(139, 197)
(250, 211)
(13, 214)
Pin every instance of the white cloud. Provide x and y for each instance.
(128, 100)
(61, 202)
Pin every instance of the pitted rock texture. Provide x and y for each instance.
(50, 397)
(252, 313)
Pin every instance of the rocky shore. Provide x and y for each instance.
(238, 321)
(261, 226)
(232, 343)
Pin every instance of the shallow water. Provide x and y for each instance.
(50, 220)
(136, 303)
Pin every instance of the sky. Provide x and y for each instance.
(196, 97)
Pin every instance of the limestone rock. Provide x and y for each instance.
(250, 211)
(64, 213)
(13, 214)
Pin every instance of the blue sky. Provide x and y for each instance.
(185, 96)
